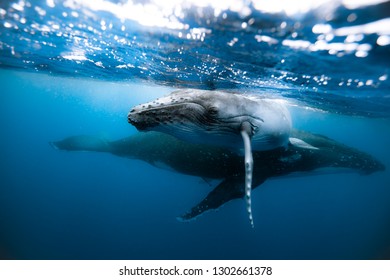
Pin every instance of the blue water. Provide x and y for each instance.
(72, 67)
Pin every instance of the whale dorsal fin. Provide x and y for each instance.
(246, 131)
(301, 144)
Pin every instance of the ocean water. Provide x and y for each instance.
(77, 66)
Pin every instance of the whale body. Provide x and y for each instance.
(219, 118)
(215, 162)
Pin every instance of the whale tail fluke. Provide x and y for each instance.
(82, 143)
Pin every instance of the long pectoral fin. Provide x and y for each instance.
(229, 189)
(245, 133)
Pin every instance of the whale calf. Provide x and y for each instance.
(216, 118)
(219, 118)
(215, 162)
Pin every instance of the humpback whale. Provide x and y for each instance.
(215, 162)
(219, 118)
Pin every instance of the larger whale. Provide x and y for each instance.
(219, 118)
(207, 161)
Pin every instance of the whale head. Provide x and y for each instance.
(181, 109)
(213, 117)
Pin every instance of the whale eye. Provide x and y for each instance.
(212, 111)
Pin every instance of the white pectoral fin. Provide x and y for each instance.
(245, 133)
(301, 144)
